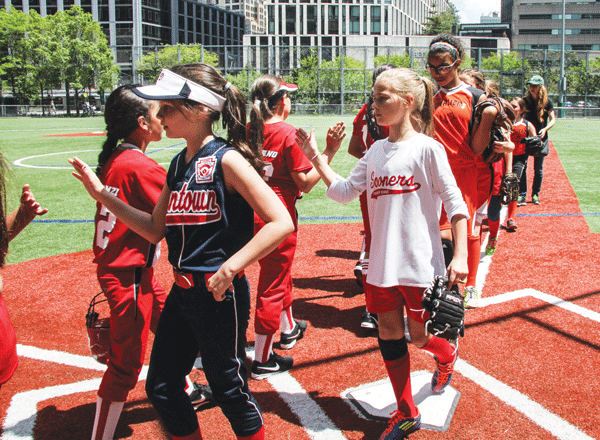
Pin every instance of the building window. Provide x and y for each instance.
(311, 19)
(290, 20)
(355, 20)
(333, 19)
(376, 20)
(535, 31)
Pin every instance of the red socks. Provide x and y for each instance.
(399, 374)
(444, 350)
(473, 257)
(260, 435)
(494, 225)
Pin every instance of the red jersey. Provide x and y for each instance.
(452, 116)
(137, 180)
(519, 131)
(361, 130)
(283, 155)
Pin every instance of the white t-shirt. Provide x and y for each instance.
(406, 184)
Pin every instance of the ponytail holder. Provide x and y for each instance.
(257, 102)
(227, 85)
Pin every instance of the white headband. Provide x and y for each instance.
(169, 85)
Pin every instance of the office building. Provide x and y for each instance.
(135, 26)
(537, 24)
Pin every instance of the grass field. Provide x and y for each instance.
(39, 158)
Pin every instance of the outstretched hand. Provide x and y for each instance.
(87, 176)
(30, 208)
(335, 136)
(307, 142)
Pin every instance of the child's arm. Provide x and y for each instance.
(240, 177)
(24, 214)
(307, 180)
(149, 226)
(531, 129)
(458, 269)
(310, 148)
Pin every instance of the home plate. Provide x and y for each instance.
(376, 401)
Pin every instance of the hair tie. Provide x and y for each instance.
(443, 44)
(227, 85)
(257, 102)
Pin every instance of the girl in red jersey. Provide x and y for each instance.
(289, 173)
(206, 214)
(453, 115)
(124, 259)
(407, 179)
(10, 226)
(515, 161)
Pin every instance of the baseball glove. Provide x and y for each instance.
(446, 310)
(533, 145)
(509, 189)
(504, 120)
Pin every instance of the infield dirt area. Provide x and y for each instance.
(528, 364)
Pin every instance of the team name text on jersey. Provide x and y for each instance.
(381, 185)
(192, 207)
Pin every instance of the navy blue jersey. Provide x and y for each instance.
(205, 224)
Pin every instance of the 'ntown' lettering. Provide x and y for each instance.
(192, 207)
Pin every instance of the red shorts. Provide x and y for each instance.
(466, 180)
(8, 345)
(386, 299)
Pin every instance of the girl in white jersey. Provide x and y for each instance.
(407, 178)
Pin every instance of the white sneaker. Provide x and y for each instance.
(472, 297)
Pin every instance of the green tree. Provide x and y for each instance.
(13, 50)
(44, 72)
(85, 59)
(150, 65)
(396, 60)
(445, 22)
(506, 70)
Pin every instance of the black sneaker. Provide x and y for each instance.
(369, 320)
(358, 273)
(275, 364)
(288, 340)
(200, 395)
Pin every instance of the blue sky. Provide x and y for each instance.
(471, 10)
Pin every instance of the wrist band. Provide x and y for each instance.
(315, 156)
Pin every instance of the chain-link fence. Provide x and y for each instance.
(337, 80)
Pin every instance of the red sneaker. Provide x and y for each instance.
(442, 376)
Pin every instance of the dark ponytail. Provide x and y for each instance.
(233, 114)
(121, 113)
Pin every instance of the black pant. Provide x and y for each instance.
(191, 322)
(538, 169)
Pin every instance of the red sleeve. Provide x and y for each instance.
(295, 158)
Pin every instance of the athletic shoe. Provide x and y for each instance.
(536, 199)
(288, 340)
(358, 272)
(491, 246)
(275, 364)
(521, 201)
(511, 225)
(369, 320)
(201, 394)
(472, 297)
(442, 376)
(400, 426)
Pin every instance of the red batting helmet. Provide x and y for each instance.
(98, 331)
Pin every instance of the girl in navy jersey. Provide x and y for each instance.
(407, 178)
(289, 173)
(205, 212)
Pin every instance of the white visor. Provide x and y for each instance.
(169, 85)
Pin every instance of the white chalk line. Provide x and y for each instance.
(21, 414)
